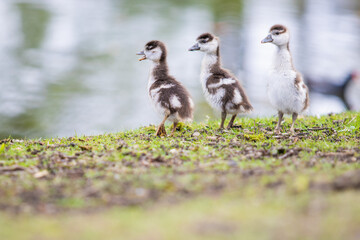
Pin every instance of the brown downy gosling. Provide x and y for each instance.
(221, 88)
(169, 97)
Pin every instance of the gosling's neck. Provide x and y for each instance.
(159, 70)
(210, 60)
(283, 60)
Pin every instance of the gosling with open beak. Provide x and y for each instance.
(143, 54)
(169, 97)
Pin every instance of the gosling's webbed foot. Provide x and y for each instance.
(161, 131)
(230, 126)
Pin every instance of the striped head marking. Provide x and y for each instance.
(278, 35)
(206, 42)
(154, 51)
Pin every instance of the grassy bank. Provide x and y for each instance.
(205, 183)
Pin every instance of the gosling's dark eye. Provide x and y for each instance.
(150, 47)
(277, 33)
(202, 41)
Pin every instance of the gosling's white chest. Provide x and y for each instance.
(154, 96)
(215, 100)
(205, 73)
(151, 80)
(282, 92)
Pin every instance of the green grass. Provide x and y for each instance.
(241, 183)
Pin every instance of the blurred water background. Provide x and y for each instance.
(69, 66)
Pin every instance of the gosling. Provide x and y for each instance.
(168, 96)
(286, 89)
(221, 88)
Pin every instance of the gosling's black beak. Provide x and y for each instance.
(267, 39)
(195, 47)
(143, 54)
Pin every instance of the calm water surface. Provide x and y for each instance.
(69, 67)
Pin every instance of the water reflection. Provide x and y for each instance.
(68, 67)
